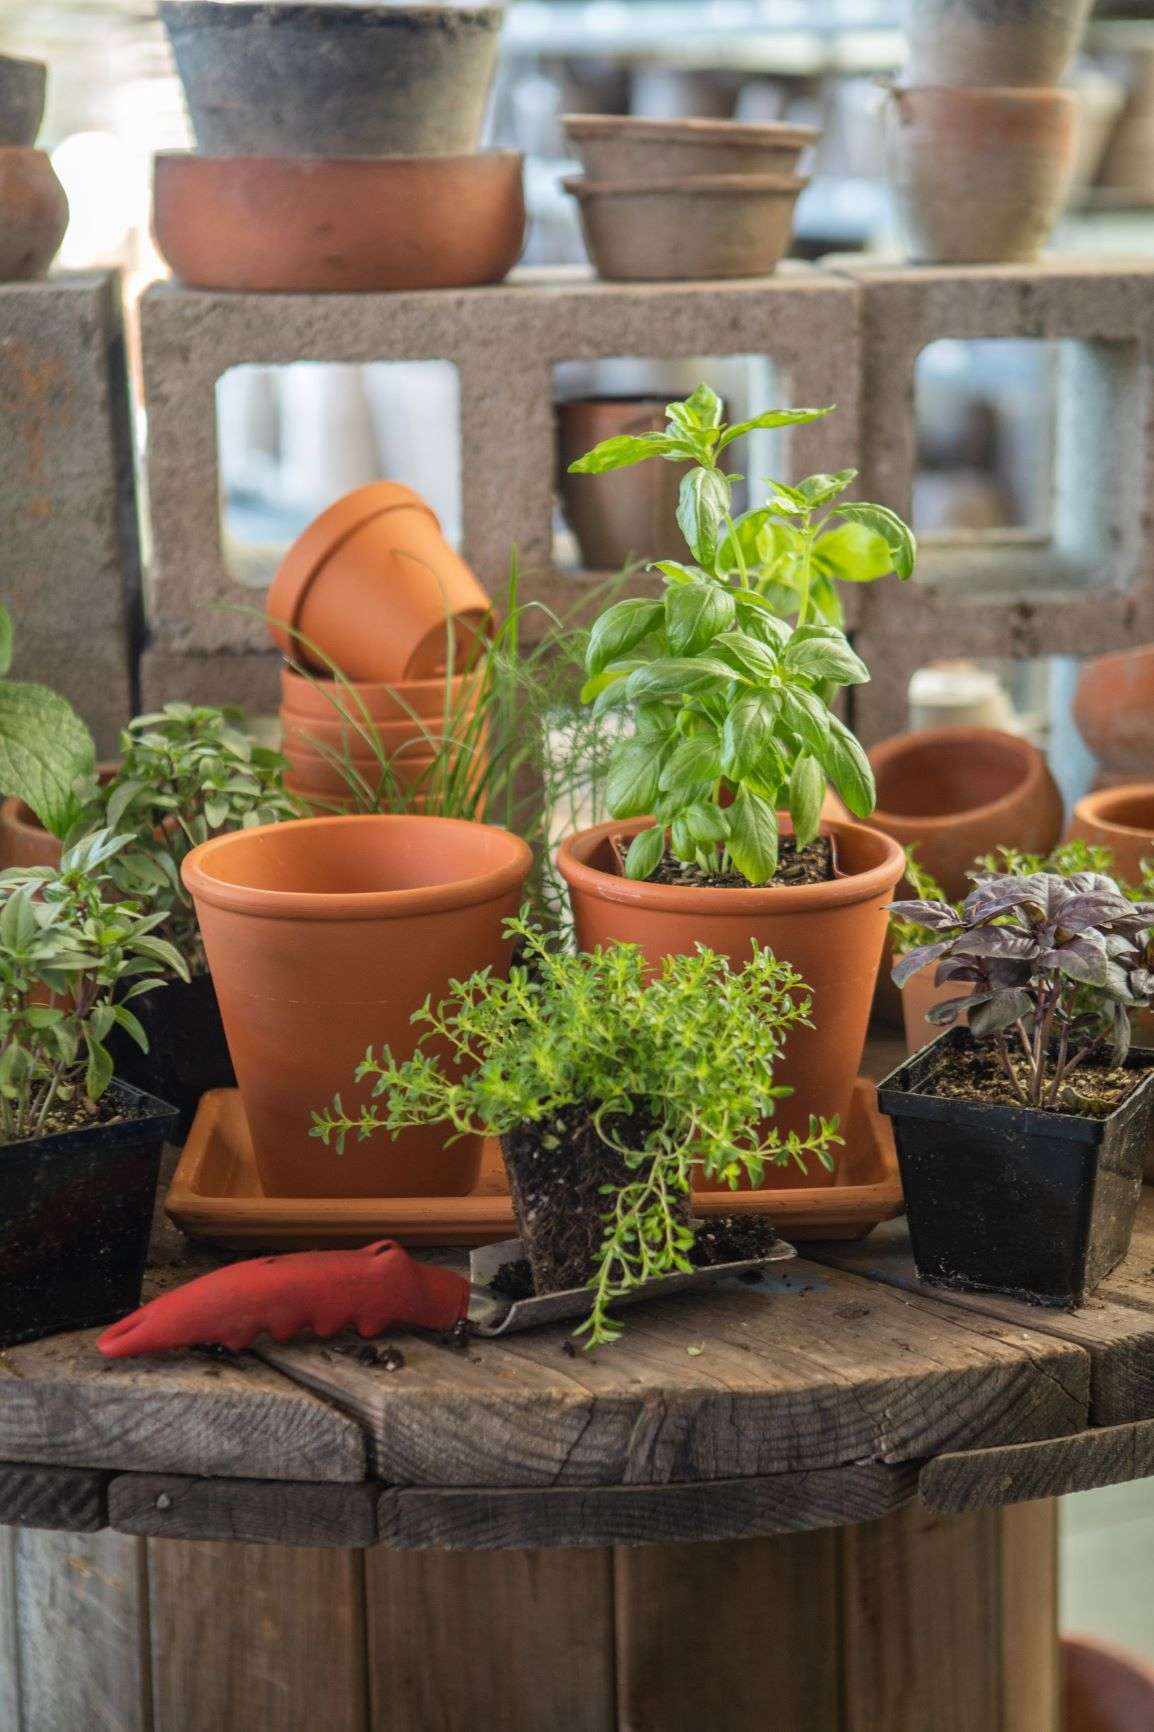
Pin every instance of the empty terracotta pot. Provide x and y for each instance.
(956, 793)
(338, 225)
(420, 736)
(323, 699)
(291, 77)
(831, 933)
(1114, 710)
(701, 227)
(1121, 819)
(979, 175)
(628, 514)
(33, 215)
(312, 775)
(1008, 43)
(615, 147)
(23, 86)
(323, 937)
(373, 582)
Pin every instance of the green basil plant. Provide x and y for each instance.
(729, 677)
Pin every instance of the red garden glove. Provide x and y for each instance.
(323, 1291)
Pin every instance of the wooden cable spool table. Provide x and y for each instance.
(820, 1504)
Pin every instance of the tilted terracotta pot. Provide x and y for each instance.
(33, 214)
(979, 175)
(323, 937)
(956, 793)
(628, 514)
(831, 933)
(1114, 710)
(321, 699)
(639, 147)
(373, 582)
(1121, 819)
(338, 225)
(700, 227)
(1008, 43)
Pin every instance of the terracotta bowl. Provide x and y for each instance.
(630, 146)
(316, 225)
(700, 228)
(1121, 819)
(1114, 710)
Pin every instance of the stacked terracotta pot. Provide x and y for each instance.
(373, 589)
(33, 205)
(337, 149)
(981, 141)
(675, 200)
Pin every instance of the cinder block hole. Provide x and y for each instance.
(293, 439)
(628, 517)
(1027, 464)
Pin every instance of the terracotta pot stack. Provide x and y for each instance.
(1114, 710)
(33, 204)
(981, 142)
(337, 149)
(372, 588)
(677, 200)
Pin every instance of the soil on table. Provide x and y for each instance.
(812, 864)
(1093, 1091)
(721, 1239)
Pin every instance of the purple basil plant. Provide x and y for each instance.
(1052, 967)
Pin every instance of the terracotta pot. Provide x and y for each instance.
(1114, 710)
(832, 934)
(338, 225)
(958, 792)
(33, 215)
(322, 699)
(617, 147)
(288, 78)
(1105, 1689)
(918, 996)
(1008, 43)
(23, 839)
(323, 937)
(23, 86)
(419, 736)
(629, 513)
(702, 227)
(979, 175)
(373, 581)
(311, 775)
(1121, 819)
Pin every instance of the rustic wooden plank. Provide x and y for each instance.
(62, 1403)
(1030, 1654)
(10, 1717)
(256, 1511)
(809, 1369)
(1019, 1472)
(414, 1517)
(1115, 1333)
(52, 1497)
(520, 1640)
(82, 1623)
(256, 1636)
(729, 1636)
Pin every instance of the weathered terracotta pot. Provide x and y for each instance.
(297, 78)
(1104, 1688)
(918, 996)
(628, 513)
(956, 793)
(1009, 43)
(23, 87)
(1114, 710)
(33, 214)
(323, 937)
(1121, 819)
(831, 933)
(637, 147)
(700, 227)
(979, 175)
(338, 225)
(373, 581)
(322, 699)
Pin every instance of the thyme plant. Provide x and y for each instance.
(683, 1060)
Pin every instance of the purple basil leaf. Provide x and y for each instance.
(1081, 959)
(1002, 941)
(999, 1012)
(934, 916)
(1006, 971)
(1122, 1034)
(1086, 913)
(949, 1009)
(908, 965)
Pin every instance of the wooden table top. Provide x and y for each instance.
(826, 1395)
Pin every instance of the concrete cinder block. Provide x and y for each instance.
(1088, 585)
(504, 342)
(69, 554)
(246, 678)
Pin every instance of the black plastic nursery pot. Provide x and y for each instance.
(75, 1217)
(187, 1052)
(1016, 1200)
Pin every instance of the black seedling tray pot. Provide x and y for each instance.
(75, 1218)
(187, 1052)
(1015, 1200)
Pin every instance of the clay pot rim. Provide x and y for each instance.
(305, 12)
(975, 95)
(697, 130)
(709, 185)
(573, 864)
(317, 905)
(1115, 658)
(1094, 807)
(446, 163)
(1028, 755)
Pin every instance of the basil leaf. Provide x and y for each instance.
(753, 836)
(852, 553)
(626, 449)
(702, 409)
(618, 629)
(702, 504)
(695, 613)
(752, 659)
(848, 768)
(692, 769)
(897, 535)
(633, 779)
(806, 715)
(45, 749)
(820, 489)
(669, 678)
(806, 793)
(748, 748)
(826, 658)
(645, 852)
(771, 418)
